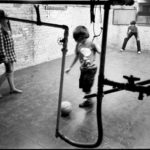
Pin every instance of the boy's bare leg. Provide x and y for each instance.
(2, 79)
(13, 89)
(10, 78)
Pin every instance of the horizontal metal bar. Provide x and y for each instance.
(77, 2)
(105, 92)
(90, 95)
(143, 82)
(129, 87)
(37, 23)
(117, 89)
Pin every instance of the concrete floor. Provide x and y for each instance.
(28, 120)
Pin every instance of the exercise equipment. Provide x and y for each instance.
(93, 14)
(116, 86)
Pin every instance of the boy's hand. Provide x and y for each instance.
(68, 70)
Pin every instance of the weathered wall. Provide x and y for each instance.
(36, 44)
(22, 34)
(117, 33)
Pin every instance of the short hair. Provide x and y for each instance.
(133, 22)
(80, 32)
(2, 17)
(2, 14)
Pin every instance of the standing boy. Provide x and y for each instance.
(85, 51)
(132, 31)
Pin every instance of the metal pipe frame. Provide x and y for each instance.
(38, 23)
(75, 2)
(138, 87)
(100, 92)
(53, 2)
(101, 79)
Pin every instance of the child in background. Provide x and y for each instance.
(132, 30)
(85, 51)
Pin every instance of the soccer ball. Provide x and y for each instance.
(66, 108)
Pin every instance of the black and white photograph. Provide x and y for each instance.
(74, 74)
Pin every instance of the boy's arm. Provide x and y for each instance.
(128, 30)
(96, 49)
(73, 62)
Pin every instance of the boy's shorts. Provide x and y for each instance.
(86, 79)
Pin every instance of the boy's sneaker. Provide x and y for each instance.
(139, 52)
(121, 50)
(86, 103)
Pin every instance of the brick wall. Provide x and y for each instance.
(36, 44)
(22, 34)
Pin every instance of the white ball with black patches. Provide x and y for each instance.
(66, 108)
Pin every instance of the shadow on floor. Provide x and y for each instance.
(28, 120)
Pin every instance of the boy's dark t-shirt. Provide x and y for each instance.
(132, 29)
(86, 53)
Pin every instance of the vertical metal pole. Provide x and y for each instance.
(101, 71)
(64, 51)
(104, 44)
(60, 93)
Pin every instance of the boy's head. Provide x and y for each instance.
(2, 15)
(133, 22)
(80, 33)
